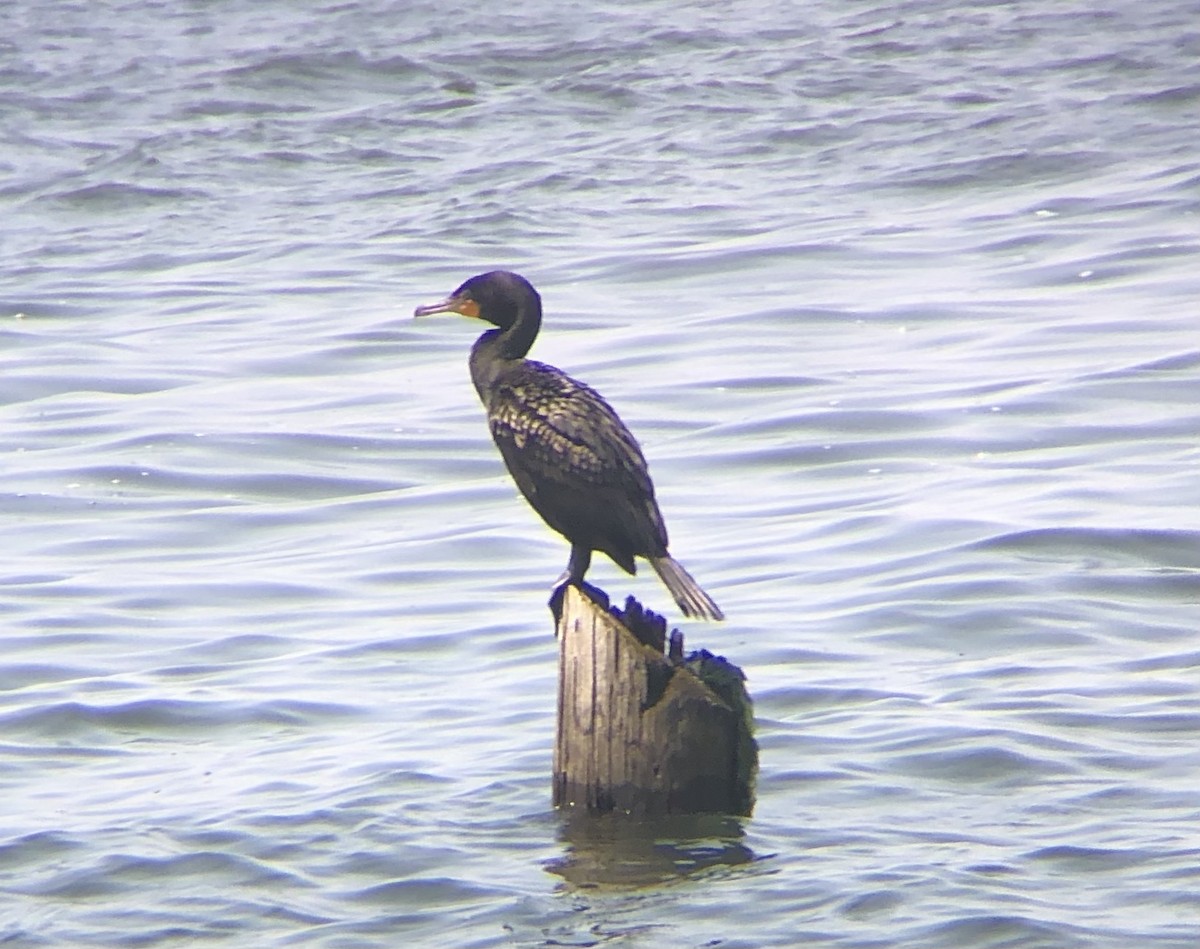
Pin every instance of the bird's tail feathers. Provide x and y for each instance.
(692, 600)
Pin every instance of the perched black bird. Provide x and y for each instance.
(569, 452)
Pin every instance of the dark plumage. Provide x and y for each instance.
(569, 452)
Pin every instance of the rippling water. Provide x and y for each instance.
(901, 301)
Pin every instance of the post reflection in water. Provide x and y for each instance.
(614, 850)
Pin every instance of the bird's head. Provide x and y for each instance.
(496, 297)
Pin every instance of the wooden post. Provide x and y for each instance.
(640, 732)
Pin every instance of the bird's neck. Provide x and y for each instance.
(516, 341)
(497, 349)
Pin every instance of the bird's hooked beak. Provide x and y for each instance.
(459, 303)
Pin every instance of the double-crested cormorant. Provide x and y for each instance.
(569, 452)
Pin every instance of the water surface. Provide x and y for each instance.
(900, 300)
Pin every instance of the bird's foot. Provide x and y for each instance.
(556, 603)
(594, 593)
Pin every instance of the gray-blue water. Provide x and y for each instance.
(901, 300)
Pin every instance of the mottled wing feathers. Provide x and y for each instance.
(575, 460)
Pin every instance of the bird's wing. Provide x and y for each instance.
(547, 421)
